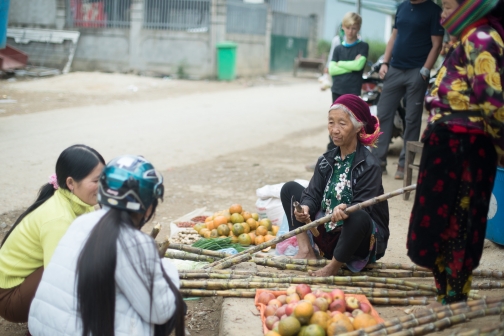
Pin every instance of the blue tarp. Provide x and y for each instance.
(4, 14)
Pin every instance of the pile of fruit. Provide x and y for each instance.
(302, 312)
(242, 226)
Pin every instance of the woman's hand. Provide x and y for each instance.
(338, 213)
(303, 217)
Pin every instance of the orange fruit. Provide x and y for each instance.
(363, 320)
(244, 239)
(206, 233)
(272, 333)
(199, 226)
(209, 225)
(261, 231)
(220, 220)
(255, 216)
(275, 229)
(252, 236)
(236, 218)
(235, 208)
(266, 223)
(223, 230)
(238, 229)
(214, 233)
(268, 237)
(259, 240)
(289, 326)
(234, 239)
(320, 318)
(209, 218)
(336, 327)
(252, 223)
(246, 227)
(246, 215)
(303, 311)
(314, 330)
(230, 226)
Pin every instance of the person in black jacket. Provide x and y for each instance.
(346, 175)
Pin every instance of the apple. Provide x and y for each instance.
(318, 292)
(275, 326)
(265, 297)
(270, 321)
(270, 311)
(365, 307)
(351, 319)
(310, 297)
(282, 298)
(338, 294)
(338, 305)
(334, 313)
(290, 308)
(316, 309)
(275, 303)
(356, 312)
(327, 296)
(302, 290)
(291, 290)
(292, 298)
(283, 317)
(351, 303)
(321, 303)
(280, 311)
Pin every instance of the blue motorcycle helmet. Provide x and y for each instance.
(130, 183)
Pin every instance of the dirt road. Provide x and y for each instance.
(215, 147)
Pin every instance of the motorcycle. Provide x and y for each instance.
(372, 86)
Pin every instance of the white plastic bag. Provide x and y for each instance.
(270, 208)
(325, 82)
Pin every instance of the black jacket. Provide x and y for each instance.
(366, 177)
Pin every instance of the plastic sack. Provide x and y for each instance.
(270, 208)
(325, 82)
(288, 247)
(229, 250)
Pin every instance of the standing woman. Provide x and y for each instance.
(106, 277)
(461, 144)
(29, 245)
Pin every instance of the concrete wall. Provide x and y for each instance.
(138, 49)
(307, 8)
(33, 13)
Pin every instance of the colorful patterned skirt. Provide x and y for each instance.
(448, 221)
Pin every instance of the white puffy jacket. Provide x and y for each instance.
(53, 310)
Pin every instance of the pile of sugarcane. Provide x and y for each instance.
(380, 282)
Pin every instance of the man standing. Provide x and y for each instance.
(411, 52)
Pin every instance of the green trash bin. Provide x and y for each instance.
(226, 61)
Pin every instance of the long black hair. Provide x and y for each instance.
(95, 276)
(77, 162)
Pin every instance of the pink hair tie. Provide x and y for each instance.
(54, 181)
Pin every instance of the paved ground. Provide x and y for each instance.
(216, 143)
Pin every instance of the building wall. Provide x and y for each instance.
(252, 54)
(307, 8)
(33, 13)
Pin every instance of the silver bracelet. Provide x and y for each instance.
(425, 72)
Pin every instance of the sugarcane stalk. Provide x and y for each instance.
(449, 321)
(223, 293)
(306, 227)
(155, 231)
(493, 330)
(234, 261)
(399, 302)
(200, 251)
(188, 256)
(488, 285)
(299, 209)
(164, 246)
(488, 274)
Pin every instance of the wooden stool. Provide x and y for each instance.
(412, 148)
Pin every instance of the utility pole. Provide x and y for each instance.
(358, 6)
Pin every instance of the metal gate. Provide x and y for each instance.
(289, 38)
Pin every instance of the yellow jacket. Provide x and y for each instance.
(32, 243)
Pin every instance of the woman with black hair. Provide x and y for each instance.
(106, 276)
(29, 245)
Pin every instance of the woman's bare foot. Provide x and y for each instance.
(329, 270)
(305, 255)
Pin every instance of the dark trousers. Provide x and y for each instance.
(331, 144)
(15, 302)
(351, 243)
(398, 83)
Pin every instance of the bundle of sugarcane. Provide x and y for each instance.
(426, 316)
(447, 322)
(230, 261)
(486, 331)
(174, 254)
(488, 285)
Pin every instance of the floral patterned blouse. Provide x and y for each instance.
(339, 189)
(471, 79)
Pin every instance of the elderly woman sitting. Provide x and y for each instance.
(346, 175)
